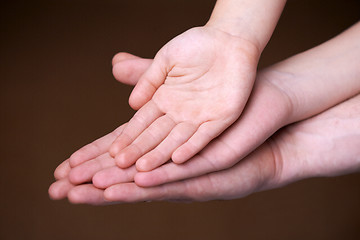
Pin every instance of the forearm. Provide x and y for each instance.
(324, 145)
(252, 20)
(321, 77)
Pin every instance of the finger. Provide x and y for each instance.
(162, 153)
(122, 56)
(62, 170)
(149, 82)
(59, 189)
(83, 173)
(137, 124)
(129, 71)
(113, 175)
(146, 141)
(240, 180)
(217, 155)
(130, 192)
(234, 144)
(258, 122)
(94, 149)
(200, 189)
(87, 194)
(206, 132)
(171, 172)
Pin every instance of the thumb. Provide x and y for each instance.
(148, 83)
(128, 68)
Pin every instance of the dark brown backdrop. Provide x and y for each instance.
(57, 93)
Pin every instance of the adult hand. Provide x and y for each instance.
(324, 145)
(289, 91)
(289, 98)
(94, 157)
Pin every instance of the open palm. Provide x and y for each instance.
(196, 87)
(324, 145)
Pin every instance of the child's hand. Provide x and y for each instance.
(196, 87)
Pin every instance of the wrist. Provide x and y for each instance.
(247, 36)
(248, 49)
(252, 20)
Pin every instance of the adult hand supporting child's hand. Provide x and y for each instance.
(197, 85)
(94, 157)
(324, 145)
(299, 151)
(291, 90)
(310, 77)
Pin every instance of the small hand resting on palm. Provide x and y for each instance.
(196, 87)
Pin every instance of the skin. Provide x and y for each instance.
(282, 94)
(202, 79)
(324, 145)
(197, 85)
(265, 94)
(253, 20)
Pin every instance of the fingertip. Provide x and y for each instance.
(142, 165)
(53, 192)
(62, 170)
(121, 142)
(177, 160)
(75, 159)
(98, 181)
(142, 179)
(139, 180)
(59, 189)
(179, 156)
(134, 102)
(116, 69)
(86, 194)
(114, 150)
(109, 194)
(74, 176)
(122, 161)
(141, 94)
(127, 156)
(129, 71)
(123, 72)
(121, 56)
(120, 193)
(74, 197)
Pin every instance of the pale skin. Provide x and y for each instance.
(294, 89)
(192, 106)
(324, 145)
(285, 93)
(197, 85)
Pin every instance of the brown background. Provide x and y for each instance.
(57, 94)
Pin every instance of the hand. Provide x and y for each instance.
(284, 93)
(89, 159)
(196, 87)
(295, 90)
(94, 156)
(324, 145)
(286, 102)
(263, 117)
